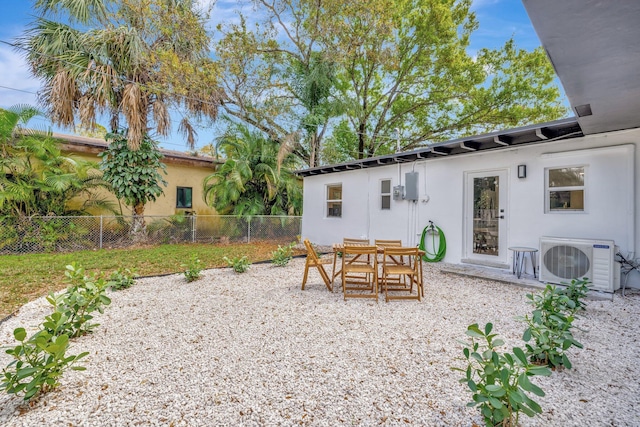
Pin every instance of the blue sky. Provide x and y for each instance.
(499, 20)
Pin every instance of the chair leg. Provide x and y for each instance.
(306, 273)
(325, 277)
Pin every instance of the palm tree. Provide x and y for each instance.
(251, 181)
(134, 61)
(36, 179)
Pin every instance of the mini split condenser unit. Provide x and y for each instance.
(562, 260)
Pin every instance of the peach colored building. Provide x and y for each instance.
(185, 176)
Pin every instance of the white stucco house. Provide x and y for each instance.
(574, 179)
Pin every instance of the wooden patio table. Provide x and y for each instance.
(339, 247)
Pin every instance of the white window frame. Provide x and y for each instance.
(328, 186)
(383, 194)
(548, 190)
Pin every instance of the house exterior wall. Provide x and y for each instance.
(178, 175)
(611, 161)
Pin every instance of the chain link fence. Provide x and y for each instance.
(74, 233)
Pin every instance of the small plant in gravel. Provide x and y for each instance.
(548, 334)
(192, 269)
(239, 264)
(281, 256)
(85, 295)
(122, 278)
(577, 291)
(499, 381)
(38, 363)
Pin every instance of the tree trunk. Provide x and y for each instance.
(313, 150)
(138, 225)
(361, 131)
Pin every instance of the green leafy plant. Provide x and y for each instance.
(281, 256)
(122, 278)
(85, 295)
(577, 291)
(192, 269)
(499, 381)
(548, 334)
(38, 363)
(239, 264)
(135, 175)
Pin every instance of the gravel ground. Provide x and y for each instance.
(253, 349)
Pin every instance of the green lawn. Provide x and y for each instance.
(24, 278)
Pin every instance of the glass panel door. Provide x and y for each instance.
(486, 200)
(486, 203)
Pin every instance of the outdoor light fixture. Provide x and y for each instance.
(522, 171)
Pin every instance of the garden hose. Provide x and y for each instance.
(438, 254)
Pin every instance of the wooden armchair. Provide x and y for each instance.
(401, 277)
(360, 278)
(314, 261)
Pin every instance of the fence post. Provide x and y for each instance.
(100, 231)
(193, 228)
(249, 230)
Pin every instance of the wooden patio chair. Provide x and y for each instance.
(357, 258)
(381, 243)
(360, 279)
(314, 261)
(401, 277)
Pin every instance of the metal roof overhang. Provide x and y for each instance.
(544, 132)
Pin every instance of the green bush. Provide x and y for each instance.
(577, 291)
(38, 363)
(192, 269)
(281, 256)
(239, 264)
(85, 295)
(548, 334)
(122, 278)
(499, 381)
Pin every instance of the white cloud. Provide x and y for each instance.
(15, 75)
(479, 4)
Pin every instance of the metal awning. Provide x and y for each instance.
(533, 134)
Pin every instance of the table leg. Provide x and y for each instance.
(519, 262)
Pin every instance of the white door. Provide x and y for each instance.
(486, 216)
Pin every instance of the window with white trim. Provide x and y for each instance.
(564, 189)
(385, 194)
(334, 201)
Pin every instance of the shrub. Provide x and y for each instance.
(281, 256)
(38, 363)
(499, 381)
(549, 328)
(121, 279)
(85, 296)
(239, 264)
(192, 269)
(577, 291)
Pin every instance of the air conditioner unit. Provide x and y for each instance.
(562, 260)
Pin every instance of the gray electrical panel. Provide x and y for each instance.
(411, 184)
(398, 192)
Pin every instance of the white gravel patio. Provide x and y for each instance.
(253, 349)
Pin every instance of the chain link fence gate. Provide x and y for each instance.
(74, 233)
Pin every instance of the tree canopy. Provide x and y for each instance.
(376, 70)
(253, 180)
(134, 175)
(131, 59)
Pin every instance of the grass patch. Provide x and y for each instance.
(28, 277)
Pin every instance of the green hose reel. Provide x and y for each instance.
(440, 249)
